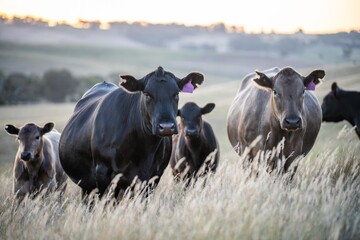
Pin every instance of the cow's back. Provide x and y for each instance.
(75, 141)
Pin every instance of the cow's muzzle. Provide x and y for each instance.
(292, 123)
(190, 132)
(167, 128)
(26, 156)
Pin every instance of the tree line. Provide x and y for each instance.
(54, 86)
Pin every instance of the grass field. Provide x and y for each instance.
(322, 202)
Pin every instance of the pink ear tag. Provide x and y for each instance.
(311, 86)
(189, 88)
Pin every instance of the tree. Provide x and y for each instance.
(18, 88)
(59, 85)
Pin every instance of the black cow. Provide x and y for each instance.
(339, 105)
(123, 131)
(194, 143)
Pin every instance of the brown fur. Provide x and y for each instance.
(37, 166)
(265, 104)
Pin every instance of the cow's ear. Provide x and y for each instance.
(334, 87)
(11, 129)
(190, 82)
(335, 90)
(130, 84)
(263, 81)
(47, 128)
(315, 77)
(207, 108)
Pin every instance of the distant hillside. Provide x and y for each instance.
(217, 37)
(223, 53)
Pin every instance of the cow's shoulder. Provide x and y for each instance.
(94, 94)
(209, 134)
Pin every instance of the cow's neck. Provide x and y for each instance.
(33, 168)
(350, 107)
(194, 146)
(33, 165)
(194, 141)
(145, 119)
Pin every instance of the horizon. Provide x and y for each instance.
(335, 15)
(81, 24)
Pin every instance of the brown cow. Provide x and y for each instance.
(276, 104)
(37, 164)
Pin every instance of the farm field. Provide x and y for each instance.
(322, 202)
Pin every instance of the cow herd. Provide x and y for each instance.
(119, 134)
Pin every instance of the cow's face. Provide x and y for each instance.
(160, 97)
(191, 120)
(287, 95)
(30, 139)
(331, 106)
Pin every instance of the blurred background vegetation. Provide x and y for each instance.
(58, 63)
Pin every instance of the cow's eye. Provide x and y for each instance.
(37, 137)
(275, 93)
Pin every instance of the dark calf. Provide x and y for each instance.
(194, 143)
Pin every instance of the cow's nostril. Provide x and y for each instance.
(167, 125)
(191, 132)
(167, 128)
(25, 155)
(292, 123)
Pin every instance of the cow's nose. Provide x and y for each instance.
(167, 128)
(25, 156)
(292, 123)
(191, 132)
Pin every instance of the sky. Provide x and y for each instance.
(312, 16)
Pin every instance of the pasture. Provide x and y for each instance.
(322, 202)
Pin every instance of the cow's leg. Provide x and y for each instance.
(103, 178)
(121, 188)
(21, 188)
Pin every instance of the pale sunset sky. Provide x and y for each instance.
(313, 16)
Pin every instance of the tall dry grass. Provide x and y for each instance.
(321, 202)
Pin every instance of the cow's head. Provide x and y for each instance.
(331, 106)
(287, 94)
(191, 120)
(30, 139)
(160, 97)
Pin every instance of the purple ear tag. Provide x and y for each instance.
(311, 86)
(189, 88)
